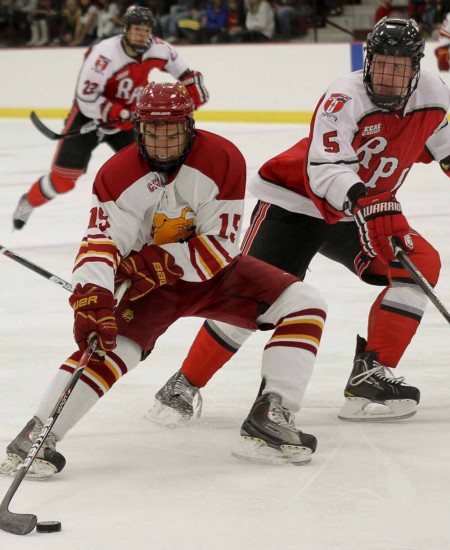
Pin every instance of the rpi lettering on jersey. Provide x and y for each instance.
(370, 153)
(125, 90)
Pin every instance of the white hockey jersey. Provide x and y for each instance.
(196, 215)
(109, 74)
(352, 140)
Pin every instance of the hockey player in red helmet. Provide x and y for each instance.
(166, 214)
(114, 73)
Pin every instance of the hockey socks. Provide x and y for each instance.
(207, 355)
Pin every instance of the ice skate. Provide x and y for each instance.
(176, 403)
(373, 393)
(22, 212)
(47, 462)
(269, 435)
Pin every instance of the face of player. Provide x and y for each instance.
(165, 142)
(391, 74)
(139, 35)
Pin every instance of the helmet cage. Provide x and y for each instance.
(161, 105)
(393, 37)
(185, 128)
(137, 15)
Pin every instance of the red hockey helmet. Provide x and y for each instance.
(168, 106)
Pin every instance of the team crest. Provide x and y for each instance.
(335, 103)
(101, 63)
(128, 315)
(155, 183)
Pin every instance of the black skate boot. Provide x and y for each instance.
(177, 402)
(22, 212)
(374, 393)
(47, 462)
(269, 435)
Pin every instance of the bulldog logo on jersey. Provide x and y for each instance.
(173, 230)
(335, 103)
(101, 63)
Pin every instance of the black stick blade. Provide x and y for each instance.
(42, 127)
(18, 524)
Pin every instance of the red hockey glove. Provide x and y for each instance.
(442, 55)
(193, 82)
(113, 111)
(379, 218)
(148, 269)
(93, 307)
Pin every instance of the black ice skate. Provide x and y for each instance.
(22, 212)
(177, 402)
(269, 435)
(47, 462)
(373, 393)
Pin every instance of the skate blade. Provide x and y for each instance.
(252, 449)
(166, 416)
(40, 469)
(358, 409)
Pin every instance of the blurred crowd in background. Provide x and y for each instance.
(34, 23)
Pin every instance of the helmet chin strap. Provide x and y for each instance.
(133, 49)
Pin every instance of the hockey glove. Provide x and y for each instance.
(193, 82)
(148, 269)
(114, 111)
(93, 308)
(379, 219)
(442, 55)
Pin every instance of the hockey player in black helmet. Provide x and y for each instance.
(138, 25)
(114, 73)
(390, 40)
(334, 193)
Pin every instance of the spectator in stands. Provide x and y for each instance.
(169, 21)
(86, 30)
(70, 16)
(214, 26)
(442, 51)
(384, 9)
(109, 21)
(40, 20)
(189, 26)
(259, 23)
(7, 22)
(291, 18)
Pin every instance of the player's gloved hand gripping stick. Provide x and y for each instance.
(85, 129)
(22, 524)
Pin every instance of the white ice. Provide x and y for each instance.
(131, 484)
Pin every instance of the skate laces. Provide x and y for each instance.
(380, 371)
(281, 416)
(187, 392)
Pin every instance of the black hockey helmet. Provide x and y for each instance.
(397, 37)
(138, 15)
(161, 104)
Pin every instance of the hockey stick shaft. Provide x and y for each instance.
(30, 265)
(85, 129)
(420, 280)
(22, 524)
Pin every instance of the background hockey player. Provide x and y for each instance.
(114, 73)
(335, 193)
(189, 265)
(442, 51)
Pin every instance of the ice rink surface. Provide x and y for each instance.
(131, 484)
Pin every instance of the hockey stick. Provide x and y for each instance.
(30, 265)
(85, 129)
(420, 280)
(22, 524)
